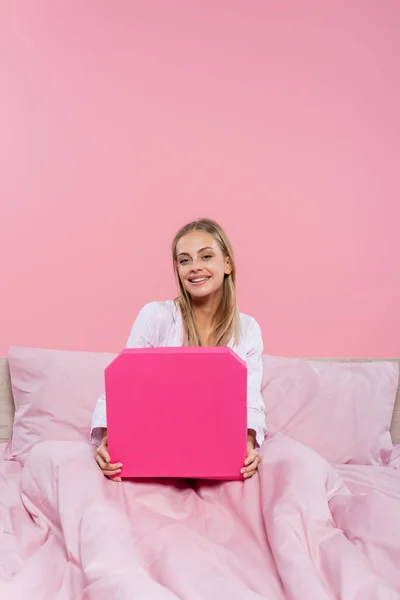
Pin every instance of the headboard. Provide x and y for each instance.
(7, 401)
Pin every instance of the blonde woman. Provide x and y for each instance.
(204, 314)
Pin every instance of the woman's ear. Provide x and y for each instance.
(228, 266)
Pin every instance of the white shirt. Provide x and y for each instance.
(160, 324)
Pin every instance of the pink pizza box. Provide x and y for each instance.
(177, 412)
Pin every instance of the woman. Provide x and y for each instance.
(204, 314)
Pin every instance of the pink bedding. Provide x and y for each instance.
(301, 530)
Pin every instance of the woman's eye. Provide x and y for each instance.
(207, 256)
(183, 261)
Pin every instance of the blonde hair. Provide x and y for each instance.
(226, 320)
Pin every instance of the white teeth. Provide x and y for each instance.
(198, 280)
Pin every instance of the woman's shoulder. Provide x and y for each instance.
(250, 329)
(159, 310)
(150, 325)
(248, 321)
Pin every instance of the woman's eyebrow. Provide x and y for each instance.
(198, 252)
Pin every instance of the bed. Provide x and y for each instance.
(304, 528)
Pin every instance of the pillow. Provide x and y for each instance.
(342, 410)
(55, 393)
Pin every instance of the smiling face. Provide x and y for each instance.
(201, 265)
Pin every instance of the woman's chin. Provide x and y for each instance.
(202, 294)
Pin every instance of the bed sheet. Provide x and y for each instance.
(15, 522)
(299, 529)
(362, 479)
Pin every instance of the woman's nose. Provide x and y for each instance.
(196, 266)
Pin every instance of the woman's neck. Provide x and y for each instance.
(204, 312)
(205, 309)
(204, 316)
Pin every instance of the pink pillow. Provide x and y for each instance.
(55, 393)
(341, 410)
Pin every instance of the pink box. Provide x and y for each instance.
(177, 412)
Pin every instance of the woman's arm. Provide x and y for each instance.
(255, 403)
(99, 420)
(251, 438)
(142, 335)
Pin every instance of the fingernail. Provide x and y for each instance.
(246, 462)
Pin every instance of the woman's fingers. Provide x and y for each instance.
(250, 459)
(106, 466)
(249, 474)
(114, 466)
(251, 462)
(100, 461)
(250, 471)
(248, 462)
(108, 470)
(102, 451)
(111, 473)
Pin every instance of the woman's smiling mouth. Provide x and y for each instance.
(198, 280)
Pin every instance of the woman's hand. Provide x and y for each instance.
(253, 458)
(104, 461)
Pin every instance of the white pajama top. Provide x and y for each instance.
(159, 324)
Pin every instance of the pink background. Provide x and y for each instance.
(122, 120)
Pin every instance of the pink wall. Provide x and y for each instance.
(122, 120)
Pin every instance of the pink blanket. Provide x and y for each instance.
(295, 531)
